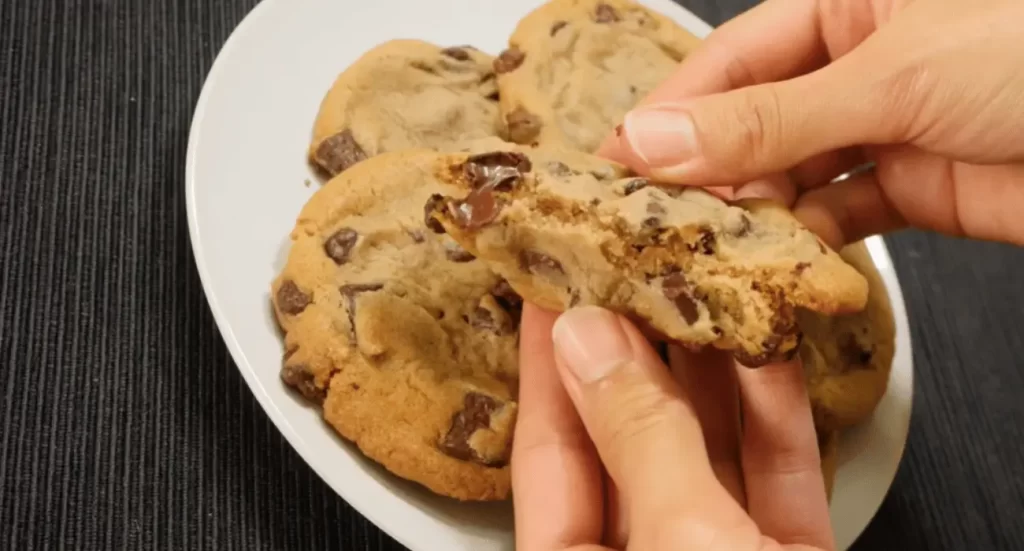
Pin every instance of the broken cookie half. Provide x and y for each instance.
(686, 264)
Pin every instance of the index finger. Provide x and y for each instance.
(556, 475)
(773, 41)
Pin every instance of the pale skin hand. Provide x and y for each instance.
(615, 451)
(796, 92)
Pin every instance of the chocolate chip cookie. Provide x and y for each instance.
(405, 94)
(406, 340)
(828, 448)
(573, 68)
(848, 358)
(679, 260)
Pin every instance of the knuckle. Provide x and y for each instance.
(735, 532)
(758, 123)
(636, 413)
(902, 96)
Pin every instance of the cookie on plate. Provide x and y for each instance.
(406, 340)
(847, 359)
(573, 68)
(405, 94)
(679, 260)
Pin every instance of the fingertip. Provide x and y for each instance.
(535, 334)
(610, 149)
(778, 188)
(535, 315)
(556, 474)
(847, 211)
(823, 222)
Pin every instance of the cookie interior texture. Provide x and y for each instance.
(685, 263)
(405, 94)
(573, 68)
(407, 341)
(848, 358)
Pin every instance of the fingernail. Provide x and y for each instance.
(662, 135)
(764, 189)
(591, 342)
(754, 190)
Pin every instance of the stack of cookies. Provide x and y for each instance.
(460, 184)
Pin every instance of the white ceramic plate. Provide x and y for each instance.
(247, 180)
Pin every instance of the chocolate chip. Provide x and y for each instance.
(477, 210)
(302, 380)
(496, 169)
(618, 130)
(705, 244)
(421, 65)
(538, 263)
(676, 289)
(654, 207)
(339, 152)
(634, 185)
(350, 292)
(434, 202)
(354, 289)
(800, 267)
(290, 299)
(475, 415)
(455, 253)
(523, 126)
(508, 60)
(744, 228)
(509, 300)
(632, 89)
(855, 354)
(606, 172)
(595, 201)
(752, 360)
(557, 27)
(558, 168)
(456, 53)
(605, 14)
(672, 191)
(770, 347)
(485, 319)
(651, 222)
(340, 244)
(511, 159)
(354, 386)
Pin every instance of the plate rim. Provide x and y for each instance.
(876, 245)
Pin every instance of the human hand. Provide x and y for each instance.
(613, 450)
(793, 93)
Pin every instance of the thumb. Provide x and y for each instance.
(642, 425)
(741, 135)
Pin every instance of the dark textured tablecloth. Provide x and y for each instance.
(123, 421)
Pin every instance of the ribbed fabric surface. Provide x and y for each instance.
(124, 423)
